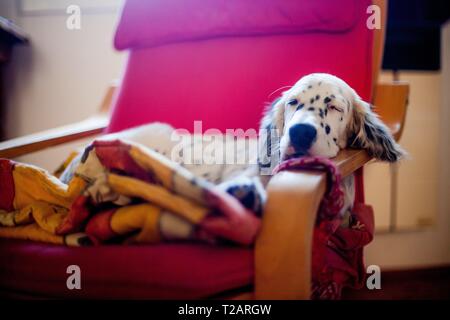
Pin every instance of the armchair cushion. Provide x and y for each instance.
(169, 271)
(145, 24)
(226, 80)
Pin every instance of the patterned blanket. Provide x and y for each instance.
(120, 193)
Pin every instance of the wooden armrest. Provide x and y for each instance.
(391, 102)
(350, 160)
(53, 137)
(283, 247)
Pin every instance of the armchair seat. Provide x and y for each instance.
(166, 271)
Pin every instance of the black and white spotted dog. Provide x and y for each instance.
(318, 116)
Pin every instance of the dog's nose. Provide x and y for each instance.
(302, 136)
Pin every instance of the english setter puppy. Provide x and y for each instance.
(318, 116)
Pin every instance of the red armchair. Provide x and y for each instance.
(217, 62)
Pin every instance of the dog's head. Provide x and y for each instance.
(320, 115)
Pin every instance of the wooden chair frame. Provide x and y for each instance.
(283, 247)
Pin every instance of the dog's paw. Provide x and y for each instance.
(247, 191)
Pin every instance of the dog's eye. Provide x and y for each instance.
(292, 102)
(331, 107)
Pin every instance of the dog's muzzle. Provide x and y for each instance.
(302, 136)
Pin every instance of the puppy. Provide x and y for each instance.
(319, 116)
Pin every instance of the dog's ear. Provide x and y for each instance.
(271, 128)
(368, 132)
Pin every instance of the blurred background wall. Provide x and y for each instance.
(61, 76)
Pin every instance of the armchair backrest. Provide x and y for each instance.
(219, 61)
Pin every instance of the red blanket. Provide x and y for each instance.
(337, 254)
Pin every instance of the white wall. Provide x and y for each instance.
(62, 76)
(430, 246)
(417, 191)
